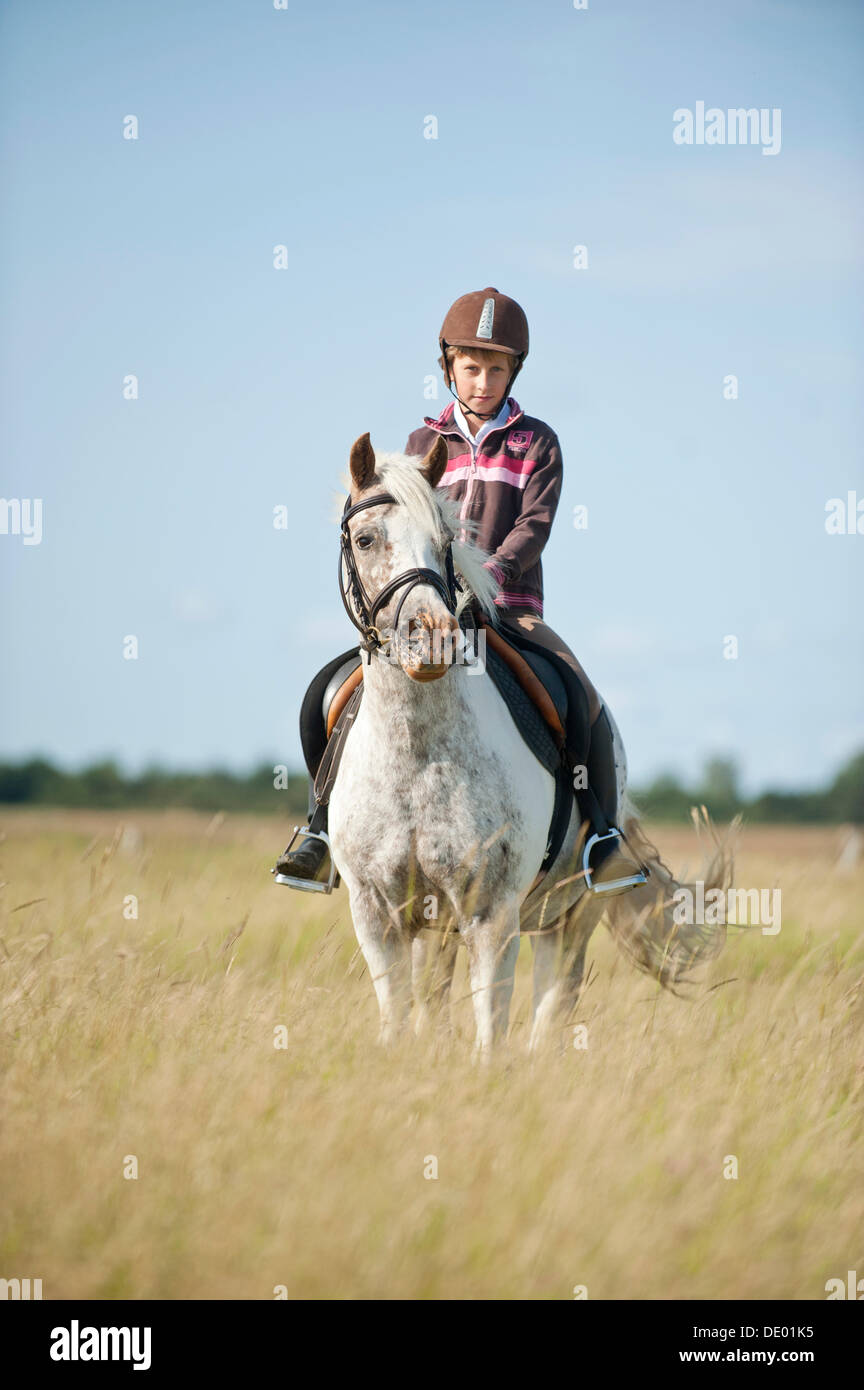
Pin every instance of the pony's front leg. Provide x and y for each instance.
(493, 946)
(386, 950)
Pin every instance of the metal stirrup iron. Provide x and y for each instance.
(312, 831)
(604, 833)
(615, 885)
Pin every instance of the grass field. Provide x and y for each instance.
(302, 1166)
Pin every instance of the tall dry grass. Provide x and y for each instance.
(303, 1166)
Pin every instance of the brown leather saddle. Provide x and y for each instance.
(548, 703)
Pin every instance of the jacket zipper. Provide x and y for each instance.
(473, 474)
(468, 490)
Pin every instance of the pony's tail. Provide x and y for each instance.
(642, 921)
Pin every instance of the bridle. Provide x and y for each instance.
(368, 608)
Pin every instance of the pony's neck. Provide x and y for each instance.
(397, 701)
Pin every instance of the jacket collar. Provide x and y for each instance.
(446, 424)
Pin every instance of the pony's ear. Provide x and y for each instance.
(435, 462)
(362, 461)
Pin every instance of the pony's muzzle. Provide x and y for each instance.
(430, 645)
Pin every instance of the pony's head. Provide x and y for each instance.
(414, 531)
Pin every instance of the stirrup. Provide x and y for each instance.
(614, 885)
(309, 885)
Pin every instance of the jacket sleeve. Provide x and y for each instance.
(522, 546)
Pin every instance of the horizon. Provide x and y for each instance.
(692, 786)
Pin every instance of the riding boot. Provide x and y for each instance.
(311, 858)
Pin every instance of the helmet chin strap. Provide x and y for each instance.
(466, 409)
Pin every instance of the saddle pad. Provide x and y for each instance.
(527, 678)
(526, 716)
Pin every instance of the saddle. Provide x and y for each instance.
(550, 708)
(536, 684)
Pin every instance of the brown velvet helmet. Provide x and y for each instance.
(485, 319)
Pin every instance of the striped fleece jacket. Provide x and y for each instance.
(511, 489)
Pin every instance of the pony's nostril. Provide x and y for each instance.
(431, 638)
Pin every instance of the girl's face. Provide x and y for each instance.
(481, 384)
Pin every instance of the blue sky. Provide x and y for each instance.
(304, 127)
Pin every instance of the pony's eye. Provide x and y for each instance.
(364, 541)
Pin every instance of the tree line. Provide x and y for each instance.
(37, 782)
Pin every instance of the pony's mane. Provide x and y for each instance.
(429, 510)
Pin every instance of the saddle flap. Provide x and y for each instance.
(340, 690)
(551, 704)
(550, 679)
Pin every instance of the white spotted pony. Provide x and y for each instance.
(440, 813)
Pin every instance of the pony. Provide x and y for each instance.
(440, 813)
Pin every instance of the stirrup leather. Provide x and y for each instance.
(615, 885)
(309, 885)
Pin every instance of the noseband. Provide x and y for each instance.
(368, 608)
